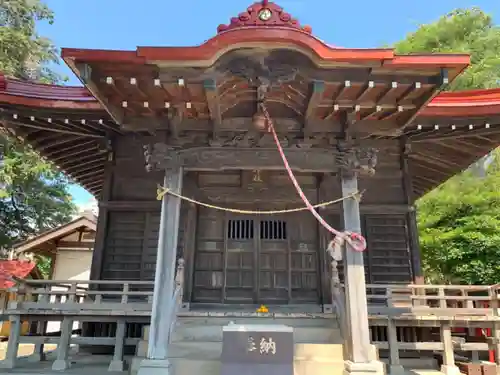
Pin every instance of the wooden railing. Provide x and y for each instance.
(113, 302)
(429, 318)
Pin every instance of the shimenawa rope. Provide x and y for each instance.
(161, 191)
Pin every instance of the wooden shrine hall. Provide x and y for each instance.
(366, 132)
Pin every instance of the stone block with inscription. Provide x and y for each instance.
(257, 349)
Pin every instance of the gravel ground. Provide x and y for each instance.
(24, 349)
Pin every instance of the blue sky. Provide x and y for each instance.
(125, 24)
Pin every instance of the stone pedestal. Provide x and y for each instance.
(450, 370)
(257, 349)
(365, 368)
(154, 367)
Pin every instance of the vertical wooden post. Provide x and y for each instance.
(117, 363)
(395, 366)
(493, 293)
(41, 329)
(157, 357)
(411, 216)
(360, 358)
(62, 362)
(10, 360)
(448, 367)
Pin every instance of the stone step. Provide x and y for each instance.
(301, 320)
(302, 366)
(292, 322)
(213, 333)
(182, 366)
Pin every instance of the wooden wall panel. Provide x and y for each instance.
(388, 248)
(209, 257)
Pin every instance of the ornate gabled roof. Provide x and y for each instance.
(155, 87)
(264, 14)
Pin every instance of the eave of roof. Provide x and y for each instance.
(15, 92)
(321, 53)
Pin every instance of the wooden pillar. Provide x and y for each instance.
(360, 358)
(157, 356)
(411, 216)
(10, 360)
(62, 360)
(448, 367)
(117, 363)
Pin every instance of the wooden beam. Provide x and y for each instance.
(213, 101)
(441, 81)
(84, 245)
(141, 123)
(455, 149)
(60, 131)
(453, 134)
(436, 160)
(85, 71)
(54, 143)
(388, 92)
(317, 90)
(365, 93)
(215, 158)
(175, 117)
(78, 166)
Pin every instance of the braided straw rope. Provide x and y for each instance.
(162, 191)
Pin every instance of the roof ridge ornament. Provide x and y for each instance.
(264, 14)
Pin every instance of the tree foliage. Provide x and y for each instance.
(459, 221)
(20, 45)
(459, 228)
(470, 31)
(33, 193)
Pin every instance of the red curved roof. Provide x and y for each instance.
(16, 92)
(464, 103)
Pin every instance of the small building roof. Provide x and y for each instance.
(87, 221)
(14, 268)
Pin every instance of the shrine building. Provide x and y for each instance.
(366, 132)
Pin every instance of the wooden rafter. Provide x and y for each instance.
(85, 71)
(213, 102)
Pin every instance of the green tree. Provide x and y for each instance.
(459, 221)
(22, 49)
(459, 229)
(33, 193)
(462, 31)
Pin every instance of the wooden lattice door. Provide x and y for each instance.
(269, 260)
